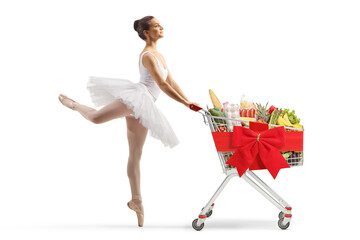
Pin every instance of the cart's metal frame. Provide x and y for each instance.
(250, 177)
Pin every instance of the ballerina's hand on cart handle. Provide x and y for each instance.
(195, 107)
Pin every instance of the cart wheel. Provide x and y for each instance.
(281, 215)
(194, 225)
(281, 225)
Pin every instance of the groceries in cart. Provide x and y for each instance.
(248, 111)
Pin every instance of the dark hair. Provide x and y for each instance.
(141, 25)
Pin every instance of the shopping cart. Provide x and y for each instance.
(217, 126)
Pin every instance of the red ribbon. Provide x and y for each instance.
(252, 145)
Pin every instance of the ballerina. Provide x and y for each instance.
(136, 102)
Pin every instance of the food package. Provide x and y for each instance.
(247, 107)
(231, 111)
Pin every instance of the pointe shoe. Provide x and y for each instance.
(139, 212)
(66, 101)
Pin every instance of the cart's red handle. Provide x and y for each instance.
(194, 107)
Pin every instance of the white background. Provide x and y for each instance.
(64, 177)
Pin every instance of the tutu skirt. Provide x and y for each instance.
(137, 97)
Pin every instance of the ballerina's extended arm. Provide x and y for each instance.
(175, 86)
(150, 64)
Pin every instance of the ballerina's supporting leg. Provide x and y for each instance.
(136, 134)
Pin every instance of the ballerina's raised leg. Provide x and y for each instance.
(113, 110)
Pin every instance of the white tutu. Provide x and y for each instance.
(137, 97)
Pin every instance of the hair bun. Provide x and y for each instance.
(141, 25)
(136, 25)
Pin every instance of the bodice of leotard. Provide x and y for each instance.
(147, 80)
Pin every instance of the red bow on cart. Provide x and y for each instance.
(252, 145)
